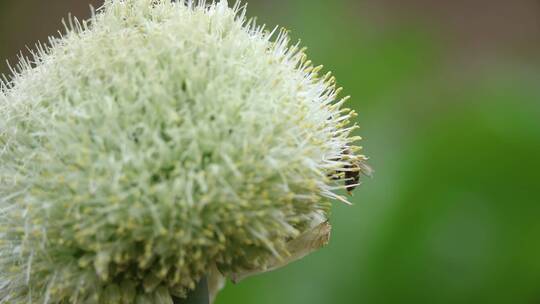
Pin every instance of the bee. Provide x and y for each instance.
(352, 177)
(350, 173)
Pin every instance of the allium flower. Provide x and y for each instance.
(159, 142)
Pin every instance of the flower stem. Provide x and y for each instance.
(197, 296)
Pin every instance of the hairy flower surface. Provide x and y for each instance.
(159, 140)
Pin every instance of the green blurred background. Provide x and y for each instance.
(449, 99)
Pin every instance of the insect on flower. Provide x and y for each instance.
(350, 172)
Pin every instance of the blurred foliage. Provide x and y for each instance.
(451, 215)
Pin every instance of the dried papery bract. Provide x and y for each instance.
(159, 142)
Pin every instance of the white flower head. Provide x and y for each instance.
(157, 141)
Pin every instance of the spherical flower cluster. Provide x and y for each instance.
(159, 140)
